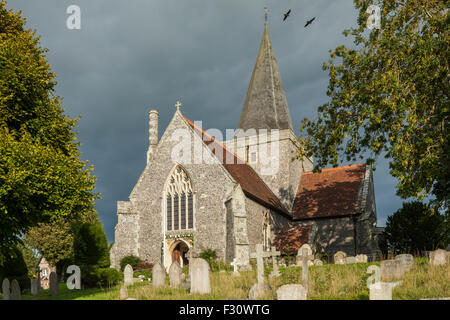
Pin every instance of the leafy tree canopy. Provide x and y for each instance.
(390, 96)
(41, 174)
(415, 228)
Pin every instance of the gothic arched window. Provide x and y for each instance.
(180, 201)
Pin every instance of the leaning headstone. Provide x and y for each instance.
(6, 289)
(306, 257)
(53, 284)
(15, 290)
(291, 292)
(34, 286)
(199, 273)
(123, 292)
(391, 269)
(350, 260)
(407, 260)
(439, 257)
(339, 257)
(128, 275)
(259, 290)
(158, 276)
(318, 262)
(175, 273)
(361, 258)
(382, 290)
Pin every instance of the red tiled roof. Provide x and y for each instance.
(330, 193)
(289, 239)
(250, 182)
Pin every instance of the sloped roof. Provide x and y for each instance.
(265, 105)
(333, 192)
(250, 182)
(289, 239)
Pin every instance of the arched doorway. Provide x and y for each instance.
(179, 253)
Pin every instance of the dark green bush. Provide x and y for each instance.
(146, 273)
(131, 260)
(94, 277)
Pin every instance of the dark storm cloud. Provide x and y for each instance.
(132, 56)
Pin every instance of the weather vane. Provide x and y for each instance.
(265, 14)
(178, 105)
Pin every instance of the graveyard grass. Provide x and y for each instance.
(327, 282)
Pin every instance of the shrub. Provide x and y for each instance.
(93, 276)
(147, 273)
(131, 260)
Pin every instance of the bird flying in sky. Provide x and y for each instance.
(287, 14)
(309, 22)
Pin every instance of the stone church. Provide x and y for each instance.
(231, 195)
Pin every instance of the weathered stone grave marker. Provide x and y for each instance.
(175, 272)
(361, 258)
(199, 273)
(15, 290)
(53, 284)
(379, 290)
(305, 256)
(6, 289)
(439, 257)
(274, 253)
(158, 276)
(291, 292)
(128, 275)
(299, 259)
(34, 286)
(339, 257)
(123, 292)
(407, 261)
(391, 269)
(261, 287)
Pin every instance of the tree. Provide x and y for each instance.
(416, 228)
(41, 174)
(91, 244)
(390, 96)
(81, 242)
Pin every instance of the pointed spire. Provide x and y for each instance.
(265, 105)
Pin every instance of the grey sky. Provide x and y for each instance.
(133, 56)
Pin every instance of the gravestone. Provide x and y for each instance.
(382, 290)
(34, 286)
(199, 273)
(318, 262)
(407, 260)
(158, 276)
(350, 260)
(175, 273)
(53, 284)
(261, 287)
(275, 272)
(439, 257)
(291, 292)
(235, 266)
(128, 275)
(15, 290)
(305, 256)
(339, 257)
(361, 258)
(391, 269)
(123, 292)
(6, 289)
(299, 260)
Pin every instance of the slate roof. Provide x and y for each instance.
(333, 192)
(265, 105)
(250, 182)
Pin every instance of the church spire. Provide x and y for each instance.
(265, 105)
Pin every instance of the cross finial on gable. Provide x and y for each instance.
(178, 105)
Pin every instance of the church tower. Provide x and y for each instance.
(265, 137)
